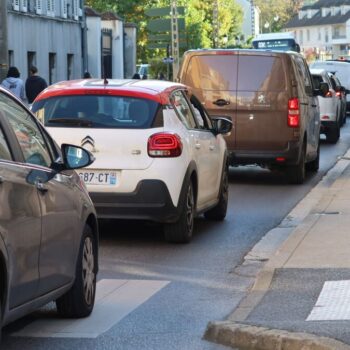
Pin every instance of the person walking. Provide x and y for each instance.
(13, 83)
(34, 84)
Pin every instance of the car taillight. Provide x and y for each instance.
(164, 144)
(329, 94)
(338, 94)
(293, 113)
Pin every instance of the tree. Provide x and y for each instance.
(277, 12)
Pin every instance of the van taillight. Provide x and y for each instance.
(293, 113)
(329, 94)
(164, 144)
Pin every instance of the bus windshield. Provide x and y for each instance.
(276, 44)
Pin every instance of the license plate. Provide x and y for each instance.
(99, 177)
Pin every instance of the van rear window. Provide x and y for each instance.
(96, 111)
(212, 72)
(261, 73)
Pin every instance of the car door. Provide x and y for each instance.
(59, 210)
(200, 144)
(20, 215)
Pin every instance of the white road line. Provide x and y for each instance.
(333, 303)
(115, 299)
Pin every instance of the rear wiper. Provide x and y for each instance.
(73, 121)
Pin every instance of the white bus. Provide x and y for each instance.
(276, 41)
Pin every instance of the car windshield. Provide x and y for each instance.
(96, 111)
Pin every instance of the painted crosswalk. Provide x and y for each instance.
(333, 303)
(115, 299)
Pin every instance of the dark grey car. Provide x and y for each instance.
(48, 226)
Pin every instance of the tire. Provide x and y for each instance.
(315, 164)
(296, 173)
(333, 134)
(79, 301)
(218, 213)
(181, 231)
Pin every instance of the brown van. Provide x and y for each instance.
(271, 100)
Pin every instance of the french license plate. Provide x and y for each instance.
(99, 177)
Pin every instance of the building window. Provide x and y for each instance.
(15, 5)
(75, 9)
(11, 58)
(52, 67)
(31, 60)
(70, 63)
(38, 6)
(50, 8)
(24, 5)
(64, 8)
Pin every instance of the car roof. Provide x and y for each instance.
(319, 71)
(156, 90)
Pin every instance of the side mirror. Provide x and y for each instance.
(221, 125)
(322, 90)
(75, 157)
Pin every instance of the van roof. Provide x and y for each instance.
(234, 51)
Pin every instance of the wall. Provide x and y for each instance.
(94, 45)
(129, 51)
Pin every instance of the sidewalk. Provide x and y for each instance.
(301, 297)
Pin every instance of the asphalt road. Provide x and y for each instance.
(202, 282)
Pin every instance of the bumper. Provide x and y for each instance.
(327, 126)
(290, 154)
(151, 200)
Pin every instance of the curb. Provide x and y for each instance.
(300, 220)
(243, 336)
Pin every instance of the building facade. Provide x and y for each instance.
(251, 18)
(47, 34)
(322, 29)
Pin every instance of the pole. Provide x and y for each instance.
(3, 40)
(215, 23)
(174, 38)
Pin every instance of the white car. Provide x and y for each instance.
(158, 155)
(330, 106)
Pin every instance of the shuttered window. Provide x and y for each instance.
(39, 6)
(64, 8)
(75, 9)
(24, 5)
(15, 5)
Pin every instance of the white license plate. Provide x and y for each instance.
(99, 177)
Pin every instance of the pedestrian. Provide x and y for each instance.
(14, 84)
(136, 76)
(87, 75)
(34, 84)
(161, 76)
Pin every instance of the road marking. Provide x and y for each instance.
(333, 303)
(115, 299)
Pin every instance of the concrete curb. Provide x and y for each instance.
(300, 221)
(248, 337)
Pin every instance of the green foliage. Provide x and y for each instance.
(157, 66)
(276, 13)
(198, 18)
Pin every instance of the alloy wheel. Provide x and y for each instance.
(88, 271)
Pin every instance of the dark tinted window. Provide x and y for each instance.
(317, 79)
(261, 73)
(212, 72)
(96, 111)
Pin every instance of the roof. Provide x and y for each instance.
(317, 19)
(157, 90)
(90, 12)
(110, 16)
(318, 71)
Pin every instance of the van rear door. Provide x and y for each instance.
(262, 102)
(213, 77)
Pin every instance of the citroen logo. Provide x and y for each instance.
(89, 143)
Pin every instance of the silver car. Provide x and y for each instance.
(48, 225)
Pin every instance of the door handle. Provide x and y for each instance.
(313, 105)
(221, 102)
(198, 145)
(41, 187)
(211, 147)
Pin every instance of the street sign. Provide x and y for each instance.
(164, 45)
(165, 37)
(168, 60)
(163, 11)
(164, 25)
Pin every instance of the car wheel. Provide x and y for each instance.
(181, 231)
(218, 213)
(79, 300)
(333, 134)
(315, 164)
(296, 173)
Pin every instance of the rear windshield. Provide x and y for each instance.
(223, 72)
(341, 71)
(96, 111)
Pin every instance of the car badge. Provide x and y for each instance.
(88, 143)
(261, 99)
